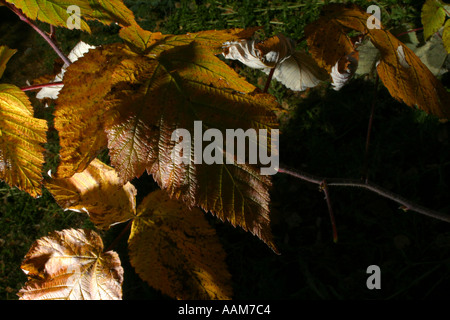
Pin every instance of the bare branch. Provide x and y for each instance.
(405, 203)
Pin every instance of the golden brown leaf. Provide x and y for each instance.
(80, 109)
(433, 16)
(176, 251)
(21, 136)
(70, 265)
(98, 191)
(401, 71)
(140, 101)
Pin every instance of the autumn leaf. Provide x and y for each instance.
(98, 191)
(5, 54)
(77, 52)
(58, 12)
(153, 43)
(70, 265)
(21, 136)
(136, 102)
(138, 38)
(402, 72)
(172, 247)
(433, 17)
(176, 251)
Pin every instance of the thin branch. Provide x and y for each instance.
(405, 203)
(269, 79)
(41, 33)
(326, 191)
(409, 31)
(365, 173)
(40, 86)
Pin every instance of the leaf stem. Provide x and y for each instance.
(40, 86)
(405, 203)
(120, 236)
(326, 191)
(44, 35)
(269, 79)
(409, 31)
(365, 173)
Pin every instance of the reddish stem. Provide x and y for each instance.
(326, 191)
(40, 86)
(269, 79)
(409, 31)
(41, 33)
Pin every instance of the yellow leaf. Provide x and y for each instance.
(433, 17)
(70, 265)
(176, 251)
(402, 72)
(78, 113)
(5, 54)
(98, 191)
(139, 38)
(139, 101)
(21, 153)
(58, 12)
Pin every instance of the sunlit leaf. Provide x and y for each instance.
(97, 191)
(70, 265)
(59, 12)
(139, 101)
(5, 54)
(176, 251)
(21, 136)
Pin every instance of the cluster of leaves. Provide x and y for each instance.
(129, 97)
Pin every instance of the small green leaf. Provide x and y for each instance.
(446, 36)
(433, 17)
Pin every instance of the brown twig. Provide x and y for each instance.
(269, 79)
(326, 191)
(43, 34)
(405, 203)
(365, 173)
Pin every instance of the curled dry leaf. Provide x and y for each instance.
(97, 191)
(295, 69)
(344, 70)
(70, 265)
(176, 251)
